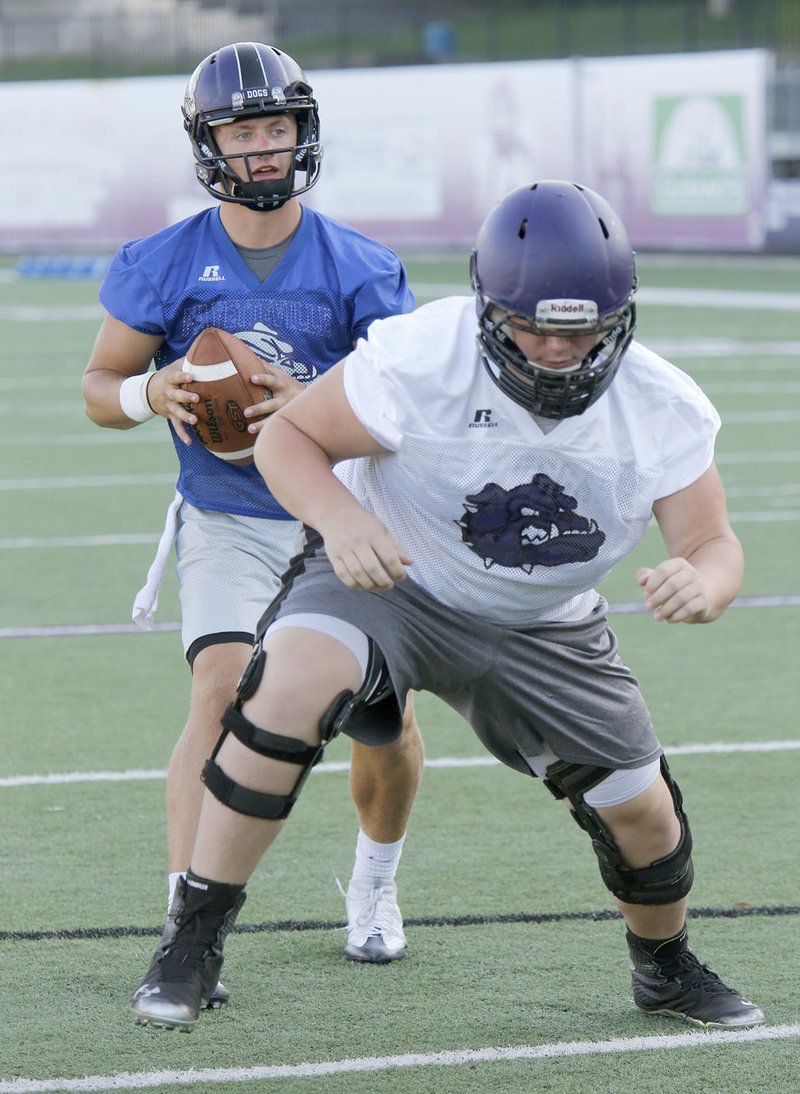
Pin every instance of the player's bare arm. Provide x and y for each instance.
(120, 352)
(296, 452)
(705, 569)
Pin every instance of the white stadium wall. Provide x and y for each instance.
(416, 156)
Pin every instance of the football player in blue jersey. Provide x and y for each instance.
(300, 289)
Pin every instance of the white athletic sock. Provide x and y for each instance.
(376, 861)
(172, 886)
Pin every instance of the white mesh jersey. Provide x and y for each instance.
(501, 519)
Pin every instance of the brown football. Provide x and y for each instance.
(221, 365)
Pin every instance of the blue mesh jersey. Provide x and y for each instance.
(330, 284)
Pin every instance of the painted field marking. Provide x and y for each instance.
(142, 1080)
(442, 763)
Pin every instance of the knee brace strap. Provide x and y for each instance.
(264, 742)
(662, 882)
(566, 780)
(258, 803)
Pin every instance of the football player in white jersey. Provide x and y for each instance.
(514, 446)
(300, 289)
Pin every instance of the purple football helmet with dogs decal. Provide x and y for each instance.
(553, 258)
(244, 80)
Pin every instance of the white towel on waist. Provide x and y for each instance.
(146, 602)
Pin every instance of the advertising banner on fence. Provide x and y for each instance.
(679, 143)
(416, 156)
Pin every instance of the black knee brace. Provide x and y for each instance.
(664, 881)
(256, 803)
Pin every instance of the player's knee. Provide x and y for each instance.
(649, 820)
(666, 879)
(215, 674)
(263, 743)
(291, 686)
(267, 802)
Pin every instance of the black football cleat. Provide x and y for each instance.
(184, 974)
(220, 995)
(682, 987)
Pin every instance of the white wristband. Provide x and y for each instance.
(133, 398)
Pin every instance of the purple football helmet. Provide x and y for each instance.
(553, 258)
(243, 80)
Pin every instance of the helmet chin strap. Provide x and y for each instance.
(264, 197)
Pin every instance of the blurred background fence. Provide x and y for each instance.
(98, 38)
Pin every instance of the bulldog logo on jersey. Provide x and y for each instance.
(534, 524)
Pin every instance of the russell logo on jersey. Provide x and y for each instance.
(483, 420)
(211, 273)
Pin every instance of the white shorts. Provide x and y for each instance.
(228, 568)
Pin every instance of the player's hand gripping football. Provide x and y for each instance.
(168, 397)
(674, 591)
(363, 552)
(279, 389)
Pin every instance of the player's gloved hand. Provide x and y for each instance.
(279, 387)
(364, 553)
(674, 592)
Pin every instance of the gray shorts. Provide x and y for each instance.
(228, 567)
(558, 687)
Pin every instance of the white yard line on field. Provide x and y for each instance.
(722, 349)
(82, 482)
(142, 1080)
(762, 517)
(129, 539)
(759, 417)
(150, 436)
(658, 296)
(53, 313)
(444, 763)
(119, 540)
(732, 458)
(84, 630)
